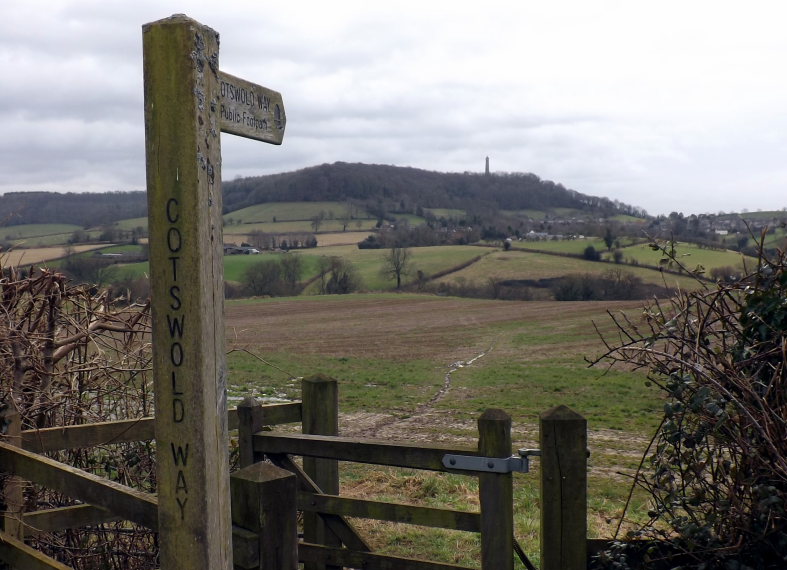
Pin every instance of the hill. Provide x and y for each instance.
(384, 188)
(81, 209)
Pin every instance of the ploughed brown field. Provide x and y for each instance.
(407, 328)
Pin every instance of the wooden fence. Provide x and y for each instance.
(266, 495)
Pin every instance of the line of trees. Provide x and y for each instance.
(268, 241)
(274, 277)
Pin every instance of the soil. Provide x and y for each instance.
(409, 328)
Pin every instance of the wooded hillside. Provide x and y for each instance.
(83, 209)
(404, 189)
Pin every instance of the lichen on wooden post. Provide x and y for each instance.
(183, 151)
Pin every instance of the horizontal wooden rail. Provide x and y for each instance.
(142, 429)
(87, 435)
(359, 450)
(385, 511)
(20, 555)
(128, 503)
(61, 518)
(344, 557)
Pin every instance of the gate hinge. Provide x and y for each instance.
(519, 463)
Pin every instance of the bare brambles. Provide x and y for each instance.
(717, 468)
(69, 355)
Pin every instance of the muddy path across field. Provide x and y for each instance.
(356, 429)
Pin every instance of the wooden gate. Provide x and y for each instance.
(330, 541)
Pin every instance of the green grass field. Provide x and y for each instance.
(446, 212)
(533, 214)
(766, 215)
(132, 223)
(690, 256)
(35, 230)
(287, 211)
(574, 246)
(38, 235)
(411, 219)
(430, 260)
(241, 231)
(521, 264)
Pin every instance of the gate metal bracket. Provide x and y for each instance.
(519, 463)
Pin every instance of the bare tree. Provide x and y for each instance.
(316, 221)
(397, 264)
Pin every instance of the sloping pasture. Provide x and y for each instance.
(430, 260)
(38, 235)
(690, 256)
(287, 211)
(521, 264)
(235, 232)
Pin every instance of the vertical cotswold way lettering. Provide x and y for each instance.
(189, 102)
(180, 456)
(176, 320)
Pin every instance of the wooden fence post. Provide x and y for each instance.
(14, 487)
(264, 515)
(496, 493)
(250, 421)
(563, 490)
(320, 396)
(182, 120)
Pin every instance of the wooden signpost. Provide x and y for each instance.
(188, 102)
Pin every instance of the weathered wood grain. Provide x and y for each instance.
(386, 511)
(252, 416)
(20, 555)
(338, 525)
(496, 493)
(342, 557)
(87, 435)
(320, 396)
(61, 518)
(13, 491)
(563, 490)
(126, 502)
(250, 110)
(142, 429)
(183, 160)
(395, 454)
(263, 501)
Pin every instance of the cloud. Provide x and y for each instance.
(668, 106)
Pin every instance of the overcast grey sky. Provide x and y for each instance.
(671, 105)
